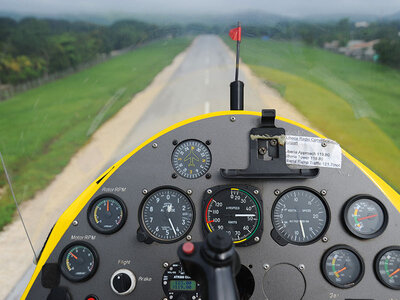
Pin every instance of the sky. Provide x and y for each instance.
(294, 8)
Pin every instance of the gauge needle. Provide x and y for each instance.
(302, 229)
(395, 272)
(341, 270)
(245, 215)
(368, 217)
(108, 205)
(172, 225)
(74, 256)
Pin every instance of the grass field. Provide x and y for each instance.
(41, 129)
(354, 102)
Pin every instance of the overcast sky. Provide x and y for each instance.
(283, 7)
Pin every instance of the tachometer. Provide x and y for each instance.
(387, 267)
(236, 210)
(300, 216)
(167, 214)
(365, 216)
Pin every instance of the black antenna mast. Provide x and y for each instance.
(237, 86)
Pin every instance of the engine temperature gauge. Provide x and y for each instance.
(387, 267)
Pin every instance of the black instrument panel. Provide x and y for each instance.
(305, 228)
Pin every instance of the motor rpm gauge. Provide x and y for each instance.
(167, 215)
(107, 214)
(342, 266)
(78, 262)
(300, 216)
(191, 159)
(365, 216)
(387, 267)
(236, 210)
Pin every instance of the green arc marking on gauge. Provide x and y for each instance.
(387, 267)
(259, 216)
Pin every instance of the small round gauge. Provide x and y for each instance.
(107, 214)
(78, 262)
(236, 211)
(191, 159)
(342, 267)
(387, 267)
(300, 216)
(167, 214)
(365, 216)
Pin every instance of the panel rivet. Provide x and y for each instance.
(75, 223)
(256, 192)
(144, 191)
(175, 142)
(302, 267)
(189, 192)
(233, 119)
(257, 239)
(323, 192)
(265, 266)
(325, 239)
(277, 192)
(165, 264)
(323, 144)
(189, 237)
(154, 145)
(209, 191)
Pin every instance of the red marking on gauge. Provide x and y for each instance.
(368, 217)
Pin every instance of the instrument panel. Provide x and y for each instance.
(330, 237)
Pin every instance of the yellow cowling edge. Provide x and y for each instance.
(73, 210)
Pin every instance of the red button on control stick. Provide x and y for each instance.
(188, 248)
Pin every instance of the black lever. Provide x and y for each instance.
(214, 264)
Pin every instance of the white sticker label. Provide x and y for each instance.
(313, 152)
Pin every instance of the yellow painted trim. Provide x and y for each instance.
(73, 210)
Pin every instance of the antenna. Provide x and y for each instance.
(237, 87)
(19, 212)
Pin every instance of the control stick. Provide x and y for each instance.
(214, 264)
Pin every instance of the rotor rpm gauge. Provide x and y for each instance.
(235, 210)
(300, 216)
(342, 267)
(191, 159)
(167, 215)
(365, 216)
(107, 214)
(78, 262)
(387, 267)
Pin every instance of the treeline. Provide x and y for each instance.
(316, 34)
(32, 48)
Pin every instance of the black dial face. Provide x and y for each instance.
(107, 214)
(342, 267)
(365, 216)
(78, 262)
(167, 215)
(387, 267)
(235, 211)
(300, 216)
(178, 285)
(191, 159)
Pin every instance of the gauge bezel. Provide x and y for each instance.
(95, 256)
(250, 190)
(342, 247)
(348, 226)
(376, 265)
(90, 216)
(184, 141)
(324, 202)
(143, 226)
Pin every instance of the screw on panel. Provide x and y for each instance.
(325, 239)
(256, 192)
(165, 264)
(209, 191)
(273, 142)
(208, 142)
(262, 150)
(189, 192)
(233, 119)
(175, 142)
(323, 192)
(301, 267)
(144, 191)
(75, 223)
(174, 175)
(277, 192)
(154, 145)
(266, 266)
(208, 176)
(189, 237)
(165, 298)
(256, 239)
(323, 144)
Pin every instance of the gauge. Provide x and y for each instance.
(365, 216)
(107, 214)
(178, 285)
(191, 159)
(342, 266)
(300, 216)
(78, 262)
(167, 214)
(387, 267)
(235, 210)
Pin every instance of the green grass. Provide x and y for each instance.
(41, 129)
(354, 102)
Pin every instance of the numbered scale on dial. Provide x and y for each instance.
(387, 267)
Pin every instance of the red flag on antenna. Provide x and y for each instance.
(236, 34)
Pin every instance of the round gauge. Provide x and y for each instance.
(342, 266)
(167, 215)
(365, 216)
(235, 211)
(191, 159)
(107, 214)
(300, 216)
(178, 285)
(387, 267)
(78, 262)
